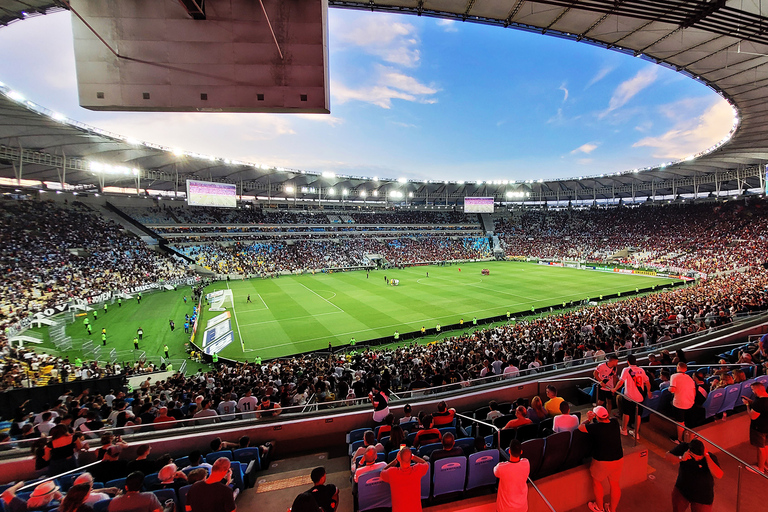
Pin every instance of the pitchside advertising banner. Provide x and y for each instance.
(216, 332)
(218, 319)
(220, 343)
(95, 299)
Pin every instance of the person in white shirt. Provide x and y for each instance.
(368, 463)
(513, 481)
(684, 390)
(227, 408)
(247, 403)
(93, 497)
(565, 421)
(637, 386)
(511, 370)
(605, 374)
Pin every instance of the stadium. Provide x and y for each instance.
(221, 326)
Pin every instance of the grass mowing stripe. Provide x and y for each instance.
(234, 315)
(326, 300)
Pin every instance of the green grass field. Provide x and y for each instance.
(295, 314)
(302, 313)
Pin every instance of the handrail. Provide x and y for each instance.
(54, 477)
(690, 430)
(546, 501)
(475, 420)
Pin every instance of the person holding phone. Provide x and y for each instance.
(695, 484)
(757, 409)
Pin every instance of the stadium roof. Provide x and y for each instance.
(723, 44)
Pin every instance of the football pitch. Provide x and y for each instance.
(293, 314)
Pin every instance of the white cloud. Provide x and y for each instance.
(585, 148)
(602, 73)
(629, 88)
(385, 37)
(585, 161)
(389, 84)
(448, 25)
(691, 135)
(565, 91)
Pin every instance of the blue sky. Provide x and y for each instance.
(424, 99)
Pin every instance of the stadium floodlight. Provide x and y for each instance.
(58, 117)
(178, 152)
(133, 142)
(331, 191)
(328, 174)
(363, 193)
(402, 180)
(375, 193)
(289, 189)
(344, 192)
(460, 182)
(410, 194)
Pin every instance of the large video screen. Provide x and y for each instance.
(205, 193)
(478, 205)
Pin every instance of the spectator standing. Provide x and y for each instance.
(684, 390)
(326, 495)
(605, 374)
(695, 484)
(213, 495)
(513, 480)
(405, 480)
(637, 386)
(380, 404)
(607, 456)
(757, 410)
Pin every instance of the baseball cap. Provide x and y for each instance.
(44, 489)
(601, 412)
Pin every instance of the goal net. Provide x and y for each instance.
(220, 300)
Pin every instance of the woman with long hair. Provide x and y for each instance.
(74, 501)
(536, 412)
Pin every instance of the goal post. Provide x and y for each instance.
(221, 300)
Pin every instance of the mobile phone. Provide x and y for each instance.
(402, 446)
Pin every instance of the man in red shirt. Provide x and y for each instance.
(444, 416)
(405, 481)
(164, 421)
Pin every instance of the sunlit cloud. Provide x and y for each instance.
(448, 25)
(692, 134)
(389, 84)
(585, 148)
(393, 41)
(628, 89)
(565, 91)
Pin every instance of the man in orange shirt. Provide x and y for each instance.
(405, 481)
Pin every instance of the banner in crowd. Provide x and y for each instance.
(95, 299)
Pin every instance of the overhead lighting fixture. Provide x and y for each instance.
(178, 152)
(363, 193)
(375, 193)
(15, 96)
(344, 192)
(289, 189)
(58, 117)
(402, 180)
(328, 174)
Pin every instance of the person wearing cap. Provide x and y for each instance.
(268, 408)
(133, 500)
(326, 495)
(607, 457)
(605, 374)
(170, 478)
(213, 494)
(92, 497)
(44, 495)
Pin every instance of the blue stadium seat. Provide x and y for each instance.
(409, 426)
(426, 483)
(533, 450)
(449, 476)
(490, 441)
(355, 445)
(101, 506)
(527, 432)
(117, 482)
(211, 457)
(713, 402)
(746, 390)
(480, 469)
(731, 396)
(183, 497)
(410, 438)
(187, 470)
(580, 448)
(467, 444)
(427, 449)
(166, 494)
(384, 440)
(237, 474)
(246, 455)
(651, 402)
(373, 492)
(445, 430)
(356, 435)
(393, 454)
(181, 462)
(66, 481)
(555, 453)
(150, 481)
